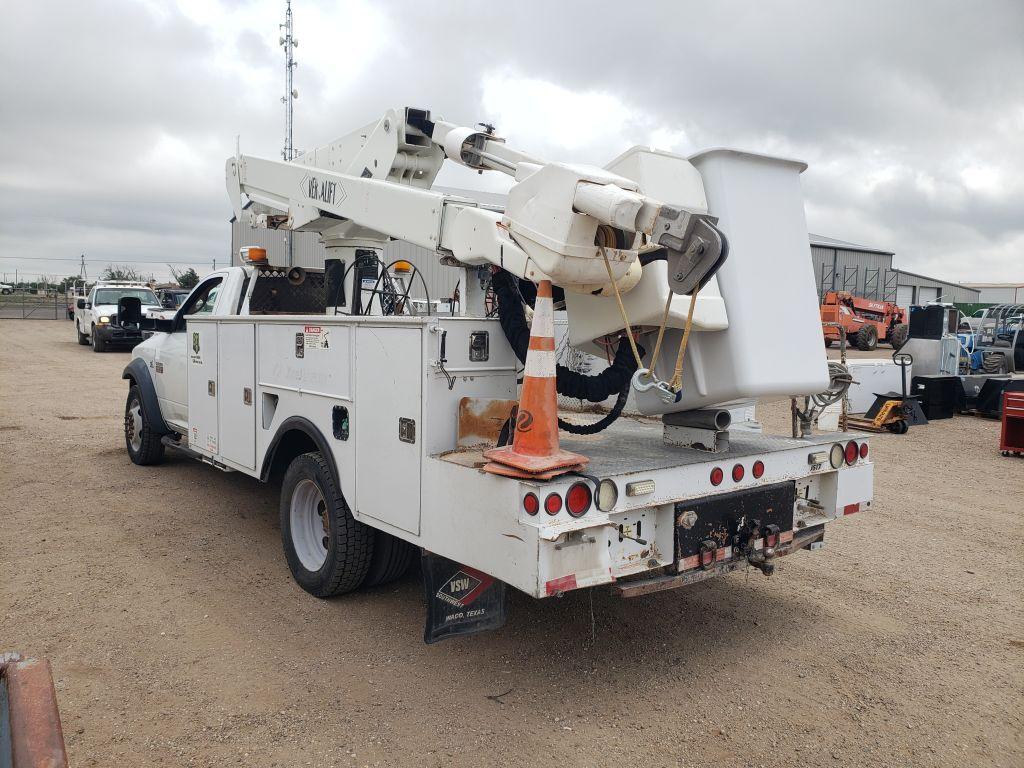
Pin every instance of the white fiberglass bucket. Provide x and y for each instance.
(773, 344)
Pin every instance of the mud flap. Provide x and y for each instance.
(460, 600)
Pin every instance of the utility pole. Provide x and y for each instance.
(289, 43)
(82, 274)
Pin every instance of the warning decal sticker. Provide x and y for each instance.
(316, 337)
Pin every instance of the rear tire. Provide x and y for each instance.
(828, 343)
(898, 335)
(143, 444)
(328, 551)
(98, 344)
(82, 338)
(867, 338)
(392, 558)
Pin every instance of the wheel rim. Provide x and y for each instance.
(310, 525)
(133, 426)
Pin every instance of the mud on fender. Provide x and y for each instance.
(460, 600)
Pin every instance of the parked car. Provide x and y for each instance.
(6, 288)
(96, 318)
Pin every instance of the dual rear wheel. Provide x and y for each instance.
(328, 551)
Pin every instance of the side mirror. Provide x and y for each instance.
(80, 303)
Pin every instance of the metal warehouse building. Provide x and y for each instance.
(838, 265)
(999, 293)
(864, 271)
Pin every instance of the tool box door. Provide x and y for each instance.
(201, 353)
(388, 424)
(236, 347)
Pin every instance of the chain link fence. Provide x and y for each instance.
(25, 305)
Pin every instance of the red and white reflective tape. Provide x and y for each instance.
(726, 553)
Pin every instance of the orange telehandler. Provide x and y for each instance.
(866, 321)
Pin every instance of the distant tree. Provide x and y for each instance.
(186, 279)
(121, 272)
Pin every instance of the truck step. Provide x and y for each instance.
(177, 445)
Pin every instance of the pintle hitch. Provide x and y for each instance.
(746, 538)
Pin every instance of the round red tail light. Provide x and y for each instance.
(531, 504)
(863, 450)
(852, 452)
(758, 468)
(553, 504)
(717, 475)
(577, 500)
(737, 473)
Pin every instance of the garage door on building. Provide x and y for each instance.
(904, 295)
(926, 293)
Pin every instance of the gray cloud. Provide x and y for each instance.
(117, 115)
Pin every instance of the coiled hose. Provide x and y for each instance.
(613, 380)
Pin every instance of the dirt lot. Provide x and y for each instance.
(177, 636)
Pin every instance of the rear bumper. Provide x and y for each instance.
(637, 587)
(661, 541)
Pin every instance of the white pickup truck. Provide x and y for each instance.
(362, 420)
(96, 319)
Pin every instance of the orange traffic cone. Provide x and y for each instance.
(535, 452)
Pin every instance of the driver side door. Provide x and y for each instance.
(171, 379)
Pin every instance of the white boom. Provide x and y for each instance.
(572, 225)
(374, 185)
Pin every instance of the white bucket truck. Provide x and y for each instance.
(375, 419)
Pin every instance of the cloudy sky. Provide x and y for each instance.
(116, 115)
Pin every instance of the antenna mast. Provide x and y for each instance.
(289, 43)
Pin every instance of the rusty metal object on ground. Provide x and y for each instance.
(30, 731)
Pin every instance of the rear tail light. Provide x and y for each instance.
(553, 504)
(531, 504)
(771, 539)
(758, 469)
(852, 452)
(863, 450)
(577, 500)
(737, 473)
(717, 475)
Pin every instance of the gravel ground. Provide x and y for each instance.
(177, 636)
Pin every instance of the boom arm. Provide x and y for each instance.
(374, 185)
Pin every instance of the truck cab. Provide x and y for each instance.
(165, 353)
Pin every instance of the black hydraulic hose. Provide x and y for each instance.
(613, 380)
(602, 423)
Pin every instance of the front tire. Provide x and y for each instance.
(328, 551)
(82, 338)
(143, 444)
(867, 338)
(98, 344)
(898, 335)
